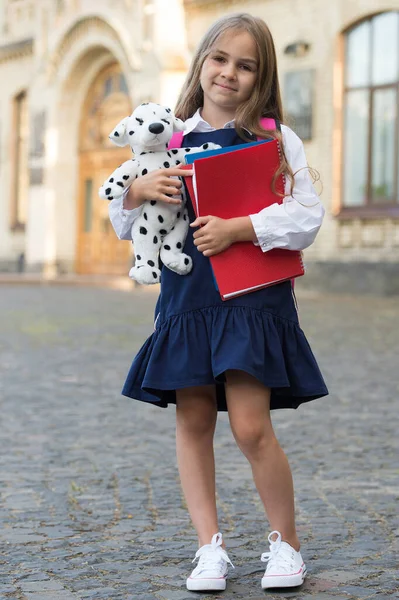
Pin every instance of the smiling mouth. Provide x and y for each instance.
(225, 87)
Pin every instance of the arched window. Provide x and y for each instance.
(371, 122)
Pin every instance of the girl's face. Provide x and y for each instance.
(229, 72)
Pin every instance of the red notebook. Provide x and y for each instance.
(238, 184)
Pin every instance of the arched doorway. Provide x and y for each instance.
(107, 102)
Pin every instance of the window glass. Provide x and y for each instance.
(385, 48)
(107, 87)
(355, 151)
(358, 56)
(371, 119)
(123, 84)
(383, 147)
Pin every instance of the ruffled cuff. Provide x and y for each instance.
(128, 214)
(264, 236)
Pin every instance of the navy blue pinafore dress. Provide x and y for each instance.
(198, 337)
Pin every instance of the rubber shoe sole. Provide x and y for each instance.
(208, 585)
(284, 581)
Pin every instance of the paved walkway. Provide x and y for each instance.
(90, 504)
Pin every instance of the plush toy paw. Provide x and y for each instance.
(109, 191)
(145, 274)
(178, 263)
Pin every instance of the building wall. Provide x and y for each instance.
(72, 41)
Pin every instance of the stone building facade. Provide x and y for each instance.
(70, 68)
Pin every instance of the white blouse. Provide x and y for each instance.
(292, 225)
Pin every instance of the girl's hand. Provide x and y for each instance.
(214, 234)
(156, 185)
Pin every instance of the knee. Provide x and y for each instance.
(196, 422)
(254, 440)
(196, 417)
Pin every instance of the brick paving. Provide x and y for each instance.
(90, 505)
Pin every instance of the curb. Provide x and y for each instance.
(120, 283)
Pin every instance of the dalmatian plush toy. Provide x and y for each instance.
(161, 229)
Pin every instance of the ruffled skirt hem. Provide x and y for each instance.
(197, 348)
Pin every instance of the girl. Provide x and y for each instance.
(246, 355)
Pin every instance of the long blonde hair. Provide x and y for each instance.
(265, 100)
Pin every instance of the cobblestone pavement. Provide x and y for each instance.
(90, 503)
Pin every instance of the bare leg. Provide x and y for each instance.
(248, 404)
(196, 414)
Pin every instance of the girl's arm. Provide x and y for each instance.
(123, 218)
(161, 185)
(294, 224)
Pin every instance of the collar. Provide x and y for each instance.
(197, 124)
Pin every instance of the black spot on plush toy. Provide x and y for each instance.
(161, 228)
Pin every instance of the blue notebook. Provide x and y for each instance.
(190, 158)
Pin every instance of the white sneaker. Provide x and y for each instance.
(285, 566)
(211, 572)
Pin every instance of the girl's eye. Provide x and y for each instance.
(218, 58)
(246, 67)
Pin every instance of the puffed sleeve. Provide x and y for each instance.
(121, 218)
(293, 224)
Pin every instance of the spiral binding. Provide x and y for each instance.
(280, 153)
(284, 181)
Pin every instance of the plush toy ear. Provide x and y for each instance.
(178, 124)
(118, 135)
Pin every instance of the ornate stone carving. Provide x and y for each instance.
(19, 17)
(81, 30)
(16, 50)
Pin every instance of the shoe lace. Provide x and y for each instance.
(276, 558)
(207, 553)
